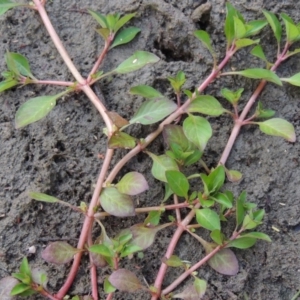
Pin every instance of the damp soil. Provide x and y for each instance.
(61, 154)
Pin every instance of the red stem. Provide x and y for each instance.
(239, 121)
(93, 270)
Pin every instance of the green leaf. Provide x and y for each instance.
(206, 105)
(18, 64)
(174, 135)
(240, 210)
(111, 20)
(258, 52)
(102, 249)
(223, 199)
(122, 21)
(178, 81)
(254, 27)
(215, 180)
(35, 109)
(6, 5)
(8, 84)
(278, 127)
(145, 91)
(178, 183)
(59, 253)
(115, 203)
(101, 19)
(208, 219)
(43, 197)
(233, 175)
(153, 218)
(25, 268)
(137, 61)
(260, 112)
(125, 36)
(153, 110)
(133, 183)
(121, 140)
(161, 164)
(174, 261)
(232, 96)
(274, 23)
(291, 53)
(224, 262)
(249, 223)
(197, 130)
(258, 73)
(239, 28)
(217, 236)
(229, 29)
(19, 289)
(168, 192)
(104, 32)
(257, 235)
(108, 287)
(294, 80)
(292, 31)
(242, 243)
(242, 43)
(204, 37)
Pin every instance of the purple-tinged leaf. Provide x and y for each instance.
(233, 175)
(6, 285)
(98, 260)
(143, 236)
(116, 204)
(193, 291)
(125, 281)
(40, 277)
(117, 119)
(132, 183)
(59, 253)
(225, 262)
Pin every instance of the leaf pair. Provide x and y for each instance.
(110, 26)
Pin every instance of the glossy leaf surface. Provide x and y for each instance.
(132, 183)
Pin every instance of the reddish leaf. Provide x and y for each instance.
(39, 276)
(225, 262)
(193, 291)
(6, 285)
(132, 183)
(125, 281)
(117, 119)
(116, 204)
(59, 253)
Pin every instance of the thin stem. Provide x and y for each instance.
(177, 210)
(65, 56)
(239, 121)
(87, 224)
(52, 82)
(93, 270)
(143, 210)
(110, 296)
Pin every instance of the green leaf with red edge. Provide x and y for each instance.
(224, 262)
(59, 253)
(121, 140)
(145, 91)
(6, 5)
(274, 23)
(197, 130)
(116, 204)
(125, 36)
(137, 61)
(178, 183)
(278, 127)
(207, 105)
(208, 219)
(125, 281)
(133, 183)
(8, 84)
(242, 242)
(6, 285)
(35, 109)
(153, 110)
(161, 164)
